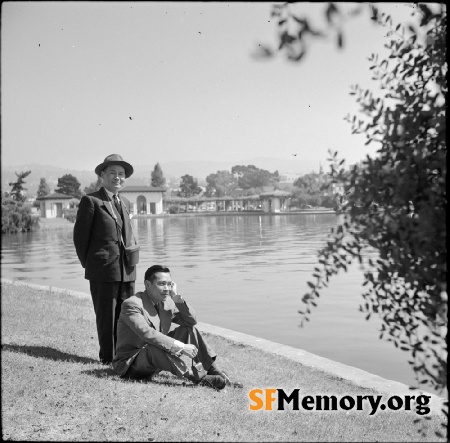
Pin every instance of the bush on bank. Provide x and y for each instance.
(17, 217)
(70, 214)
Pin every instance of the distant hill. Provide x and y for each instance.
(171, 170)
(201, 169)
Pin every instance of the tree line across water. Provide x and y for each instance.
(313, 189)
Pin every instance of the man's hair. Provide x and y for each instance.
(152, 270)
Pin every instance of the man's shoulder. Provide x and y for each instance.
(125, 201)
(135, 299)
(123, 198)
(96, 194)
(96, 198)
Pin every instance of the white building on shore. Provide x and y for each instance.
(144, 199)
(53, 205)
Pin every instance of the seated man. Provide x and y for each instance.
(145, 344)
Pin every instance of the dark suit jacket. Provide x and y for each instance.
(139, 325)
(96, 236)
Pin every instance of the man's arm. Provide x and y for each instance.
(133, 315)
(127, 204)
(186, 314)
(82, 228)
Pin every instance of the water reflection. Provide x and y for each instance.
(241, 272)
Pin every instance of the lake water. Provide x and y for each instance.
(241, 272)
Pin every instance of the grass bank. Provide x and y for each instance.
(53, 388)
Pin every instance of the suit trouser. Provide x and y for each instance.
(107, 298)
(153, 359)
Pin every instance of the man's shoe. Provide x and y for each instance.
(234, 384)
(213, 381)
(224, 375)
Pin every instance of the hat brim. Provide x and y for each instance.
(128, 168)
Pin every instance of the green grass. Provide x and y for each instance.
(54, 388)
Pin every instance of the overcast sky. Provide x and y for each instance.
(73, 73)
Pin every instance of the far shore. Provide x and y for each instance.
(215, 213)
(48, 224)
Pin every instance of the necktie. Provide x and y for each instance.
(119, 208)
(117, 204)
(159, 318)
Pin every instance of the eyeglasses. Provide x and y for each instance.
(164, 283)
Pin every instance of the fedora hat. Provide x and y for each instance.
(114, 159)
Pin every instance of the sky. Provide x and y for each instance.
(73, 73)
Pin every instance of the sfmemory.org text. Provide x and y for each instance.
(265, 399)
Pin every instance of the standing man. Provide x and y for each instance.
(101, 230)
(156, 327)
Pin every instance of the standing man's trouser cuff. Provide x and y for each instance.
(107, 298)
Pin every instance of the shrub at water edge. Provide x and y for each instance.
(17, 217)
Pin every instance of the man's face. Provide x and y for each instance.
(161, 286)
(113, 178)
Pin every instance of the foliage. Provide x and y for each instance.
(220, 184)
(17, 217)
(188, 186)
(313, 189)
(17, 190)
(94, 186)
(406, 180)
(175, 209)
(44, 188)
(302, 199)
(158, 180)
(252, 177)
(70, 214)
(69, 185)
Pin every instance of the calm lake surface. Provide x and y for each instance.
(241, 272)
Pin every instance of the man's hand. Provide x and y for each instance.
(177, 298)
(190, 350)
